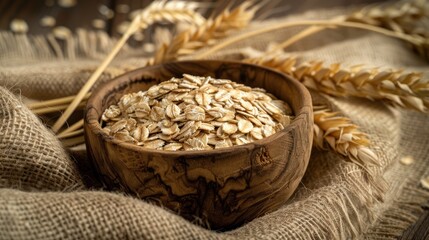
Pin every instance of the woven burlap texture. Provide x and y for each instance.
(42, 195)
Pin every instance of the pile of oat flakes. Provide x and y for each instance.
(196, 113)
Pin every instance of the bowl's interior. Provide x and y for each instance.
(280, 85)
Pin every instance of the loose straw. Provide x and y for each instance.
(70, 129)
(303, 34)
(57, 108)
(71, 134)
(73, 141)
(85, 89)
(54, 102)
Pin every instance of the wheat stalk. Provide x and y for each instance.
(141, 21)
(70, 142)
(53, 102)
(76, 126)
(71, 134)
(57, 108)
(406, 90)
(342, 136)
(195, 38)
(401, 18)
(415, 40)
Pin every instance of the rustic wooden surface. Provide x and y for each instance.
(85, 11)
(223, 187)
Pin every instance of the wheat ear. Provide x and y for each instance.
(170, 11)
(342, 136)
(144, 19)
(406, 90)
(195, 38)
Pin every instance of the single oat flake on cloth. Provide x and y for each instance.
(45, 192)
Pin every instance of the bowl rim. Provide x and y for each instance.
(92, 125)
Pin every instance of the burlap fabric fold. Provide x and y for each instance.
(42, 195)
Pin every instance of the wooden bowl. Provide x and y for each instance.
(224, 187)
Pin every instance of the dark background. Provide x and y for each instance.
(85, 11)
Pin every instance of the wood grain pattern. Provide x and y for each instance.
(224, 187)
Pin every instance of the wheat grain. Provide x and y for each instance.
(47, 21)
(399, 88)
(67, 3)
(18, 26)
(341, 135)
(197, 37)
(106, 12)
(425, 182)
(407, 160)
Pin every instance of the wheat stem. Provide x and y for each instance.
(70, 129)
(69, 142)
(328, 23)
(391, 18)
(301, 35)
(45, 110)
(85, 89)
(297, 37)
(54, 102)
(71, 134)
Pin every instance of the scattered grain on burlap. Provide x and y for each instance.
(336, 199)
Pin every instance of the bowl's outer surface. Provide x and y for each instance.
(224, 187)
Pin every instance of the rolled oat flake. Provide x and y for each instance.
(195, 113)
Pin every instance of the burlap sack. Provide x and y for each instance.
(42, 195)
